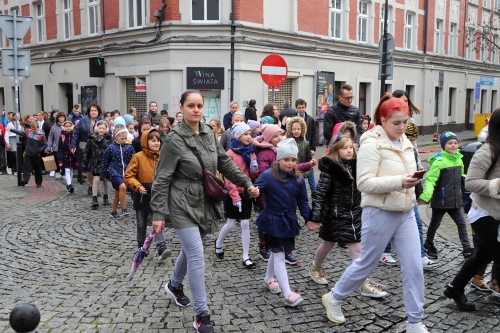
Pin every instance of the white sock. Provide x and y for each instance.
(69, 175)
(52, 174)
(245, 238)
(270, 269)
(281, 274)
(226, 229)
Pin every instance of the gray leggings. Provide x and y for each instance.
(191, 262)
(378, 228)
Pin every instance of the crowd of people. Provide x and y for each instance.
(366, 197)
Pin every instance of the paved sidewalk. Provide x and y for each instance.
(73, 263)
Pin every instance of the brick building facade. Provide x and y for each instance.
(168, 42)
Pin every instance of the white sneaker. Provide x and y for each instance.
(388, 259)
(333, 309)
(52, 174)
(370, 290)
(428, 264)
(416, 328)
(318, 275)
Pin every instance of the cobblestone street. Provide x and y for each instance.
(72, 263)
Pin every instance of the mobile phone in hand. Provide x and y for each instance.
(419, 174)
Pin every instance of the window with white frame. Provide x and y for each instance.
(136, 13)
(497, 5)
(40, 22)
(205, 10)
(389, 20)
(470, 53)
(363, 22)
(486, 4)
(438, 37)
(473, 2)
(93, 15)
(452, 40)
(483, 52)
(67, 18)
(336, 15)
(409, 31)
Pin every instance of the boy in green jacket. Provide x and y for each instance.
(443, 191)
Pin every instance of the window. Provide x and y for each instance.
(473, 2)
(93, 14)
(471, 45)
(484, 52)
(494, 51)
(336, 19)
(136, 13)
(389, 20)
(497, 5)
(362, 97)
(438, 37)
(67, 18)
(40, 22)
(486, 4)
(205, 10)
(363, 22)
(409, 25)
(451, 101)
(452, 40)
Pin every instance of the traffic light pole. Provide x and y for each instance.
(384, 52)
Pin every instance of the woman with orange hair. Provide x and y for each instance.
(385, 168)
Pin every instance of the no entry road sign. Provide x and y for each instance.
(273, 70)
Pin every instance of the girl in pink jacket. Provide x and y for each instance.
(237, 206)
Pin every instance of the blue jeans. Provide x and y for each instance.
(388, 248)
(312, 181)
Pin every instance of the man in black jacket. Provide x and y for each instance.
(301, 105)
(341, 111)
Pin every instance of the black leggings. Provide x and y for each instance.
(486, 229)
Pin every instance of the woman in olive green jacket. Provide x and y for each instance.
(178, 197)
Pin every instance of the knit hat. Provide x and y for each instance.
(238, 114)
(412, 131)
(238, 129)
(267, 120)
(268, 131)
(253, 124)
(287, 148)
(119, 121)
(447, 136)
(128, 118)
(67, 121)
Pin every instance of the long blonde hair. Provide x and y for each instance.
(337, 144)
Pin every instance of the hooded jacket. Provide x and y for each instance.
(304, 146)
(136, 143)
(115, 160)
(380, 166)
(53, 139)
(94, 152)
(141, 172)
(484, 186)
(65, 156)
(336, 202)
(443, 184)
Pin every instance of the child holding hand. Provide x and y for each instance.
(285, 190)
(66, 154)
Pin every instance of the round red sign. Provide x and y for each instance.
(273, 70)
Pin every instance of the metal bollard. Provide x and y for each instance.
(19, 163)
(24, 318)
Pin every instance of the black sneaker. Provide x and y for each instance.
(202, 323)
(431, 251)
(177, 294)
(115, 215)
(163, 254)
(105, 201)
(89, 191)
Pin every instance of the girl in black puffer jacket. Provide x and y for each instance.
(336, 207)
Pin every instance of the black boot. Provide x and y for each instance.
(89, 191)
(105, 201)
(460, 300)
(95, 203)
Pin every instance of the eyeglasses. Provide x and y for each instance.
(348, 98)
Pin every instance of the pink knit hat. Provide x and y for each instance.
(268, 131)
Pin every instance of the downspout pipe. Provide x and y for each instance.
(426, 23)
(233, 31)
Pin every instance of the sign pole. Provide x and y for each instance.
(272, 95)
(16, 100)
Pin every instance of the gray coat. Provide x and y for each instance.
(177, 190)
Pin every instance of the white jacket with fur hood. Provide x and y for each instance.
(380, 165)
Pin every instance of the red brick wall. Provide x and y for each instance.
(313, 16)
(353, 20)
(376, 23)
(399, 35)
(431, 26)
(111, 16)
(250, 11)
(25, 11)
(77, 18)
(446, 28)
(50, 19)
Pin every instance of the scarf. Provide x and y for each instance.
(242, 150)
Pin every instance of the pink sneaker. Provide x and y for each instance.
(273, 286)
(293, 300)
